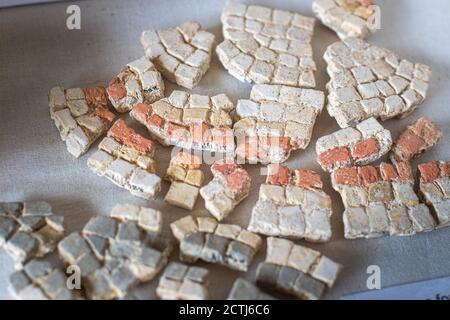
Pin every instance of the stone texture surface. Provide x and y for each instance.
(245, 290)
(183, 282)
(117, 252)
(29, 230)
(182, 54)
(296, 270)
(224, 244)
(435, 188)
(370, 81)
(292, 204)
(366, 143)
(186, 176)
(230, 185)
(264, 45)
(189, 121)
(275, 120)
(81, 116)
(39, 280)
(138, 82)
(126, 158)
(415, 140)
(381, 201)
(348, 18)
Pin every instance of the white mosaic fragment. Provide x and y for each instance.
(80, 115)
(369, 81)
(181, 54)
(230, 185)
(296, 208)
(263, 45)
(129, 164)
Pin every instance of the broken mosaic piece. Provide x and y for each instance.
(182, 54)
(230, 185)
(264, 45)
(415, 140)
(117, 252)
(126, 158)
(81, 116)
(296, 270)
(366, 143)
(245, 290)
(274, 121)
(39, 280)
(348, 18)
(369, 81)
(203, 238)
(292, 204)
(182, 282)
(138, 82)
(381, 201)
(435, 188)
(186, 178)
(189, 121)
(29, 230)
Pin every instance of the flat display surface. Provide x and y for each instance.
(37, 52)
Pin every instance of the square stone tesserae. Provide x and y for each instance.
(186, 179)
(229, 187)
(292, 204)
(189, 121)
(80, 115)
(116, 252)
(264, 45)
(275, 121)
(29, 229)
(203, 238)
(296, 270)
(370, 81)
(182, 54)
(126, 158)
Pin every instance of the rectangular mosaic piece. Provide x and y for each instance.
(126, 158)
(348, 18)
(29, 230)
(230, 185)
(115, 253)
(81, 116)
(189, 121)
(182, 54)
(186, 179)
(138, 82)
(182, 282)
(292, 204)
(245, 290)
(381, 201)
(264, 45)
(205, 239)
(435, 187)
(274, 121)
(370, 81)
(366, 143)
(296, 270)
(415, 140)
(40, 281)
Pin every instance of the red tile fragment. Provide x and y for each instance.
(365, 148)
(429, 171)
(346, 176)
(130, 138)
(368, 175)
(308, 179)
